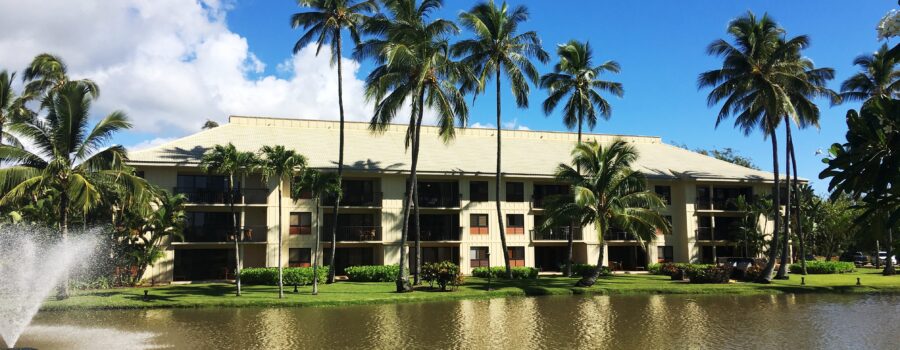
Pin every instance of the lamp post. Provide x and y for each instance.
(490, 272)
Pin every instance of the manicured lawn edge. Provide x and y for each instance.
(359, 293)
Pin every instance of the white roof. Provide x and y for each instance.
(472, 152)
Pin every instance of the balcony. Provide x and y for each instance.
(544, 193)
(353, 233)
(556, 234)
(452, 233)
(370, 199)
(438, 194)
(616, 235)
(451, 201)
(706, 234)
(220, 196)
(222, 234)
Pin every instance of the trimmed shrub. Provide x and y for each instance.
(674, 269)
(373, 273)
(499, 272)
(586, 269)
(443, 273)
(824, 267)
(708, 274)
(300, 276)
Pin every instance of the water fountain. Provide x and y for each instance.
(32, 264)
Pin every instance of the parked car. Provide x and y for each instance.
(882, 258)
(857, 258)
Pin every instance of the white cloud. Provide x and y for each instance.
(149, 143)
(511, 125)
(173, 64)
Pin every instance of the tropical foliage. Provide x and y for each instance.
(317, 185)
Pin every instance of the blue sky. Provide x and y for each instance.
(172, 64)
(661, 48)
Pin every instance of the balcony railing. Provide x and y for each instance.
(618, 236)
(437, 234)
(556, 234)
(220, 196)
(451, 201)
(372, 199)
(706, 234)
(353, 233)
(219, 234)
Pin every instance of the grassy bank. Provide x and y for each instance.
(354, 293)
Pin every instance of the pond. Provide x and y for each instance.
(626, 322)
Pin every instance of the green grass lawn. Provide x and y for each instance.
(356, 293)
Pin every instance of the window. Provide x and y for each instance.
(478, 257)
(139, 173)
(703, 200)
(664, 193)
(515, 192)
(478, 191)
(301, 223)
(299, 257)
(478, 224)
(515, 224)
(516, 256)
(668, 219)
(665, 254)
(304, 193)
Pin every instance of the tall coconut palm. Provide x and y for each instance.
(67, 157)
(7, 96)
(227, 160)
(414, 69)
(48, 72)
(499, 48)
(318, 184)
(280, 163)
(324, 25)
(876, 78)
(607, 193)
(750, 86)
(576, 79)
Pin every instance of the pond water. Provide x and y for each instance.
(598, 322)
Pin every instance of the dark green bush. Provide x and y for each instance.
(300, 276)
(582, 269)
(672, 269)
(373, 273)
(824, 267)
(519, 272)
(443, 273)
(708, 274)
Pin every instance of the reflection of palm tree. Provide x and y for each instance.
(498, 48)
(319, 185)
(576, 79)
(414, 66)
(69, 158)
(607, 193)
(324, 25)
(227, 160)
(280, 163)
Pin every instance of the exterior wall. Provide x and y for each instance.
(682, 209)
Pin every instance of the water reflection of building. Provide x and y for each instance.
(456, 195)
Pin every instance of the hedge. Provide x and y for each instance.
(709, 274)
(292, 275)
(668, 269)
(519, 272)
(583, 269)
(824, 267)
(373, 273)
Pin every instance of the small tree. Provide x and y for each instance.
(318, 185)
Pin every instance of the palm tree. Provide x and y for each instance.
(576, 79)
(877, 77)
(68, 159)
(324, 25)
(47, 73)
(415, 67)
(209, 124)
(280, 163)
(318, 184)
(160, 219)
(498, 47)
(751, 84)
(607, 193)
(7, 96)
(227, 160)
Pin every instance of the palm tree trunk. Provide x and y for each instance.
(280, 268)
(797, 211)
(63, 292)
(570, 239)
(766, 276)
(889, 263)
(415, 203)
(590, 280)
(237, 235)
(315, 250)
(337, 200)
(785, 245)
(499, 180)
(402, 282)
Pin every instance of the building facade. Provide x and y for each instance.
(458, 218)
